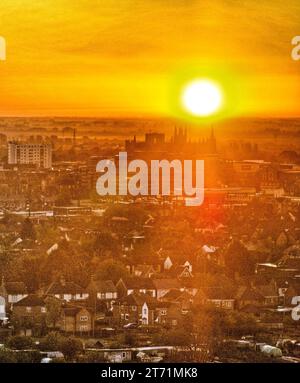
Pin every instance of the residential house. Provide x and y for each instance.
(127, 286)
(218, 297)
(182, 271)
(270, 293)
(144, 271)
(103, 290)
(168, 313)
(30, 306)
(183, 298)
(215, 296)
(68, 291)
(14, 291)
(135, 308)
(165, 285)
(77, 320)
(29, 313)
(247, 295)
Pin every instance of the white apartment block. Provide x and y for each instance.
(27, 153)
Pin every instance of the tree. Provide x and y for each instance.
(105, 244)
(19, 342)
(178, 337)
(28, 230)
(7, 357)
(238, 259)
(53, 306)
(51, 342)
(70, 347)
(130, 340)
(110, 269)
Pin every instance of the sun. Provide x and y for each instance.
(202, 97)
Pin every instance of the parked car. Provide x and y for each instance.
(131, 326)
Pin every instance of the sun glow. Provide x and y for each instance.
(202, 98)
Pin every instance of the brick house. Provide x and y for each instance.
(127, 286)
(165, 285)
(215, 296)
(77, 320)
(135, 308)
(168, 313)
(68, 291)
(29, 314)
(102, 290)
(247, 295)
(13, 292)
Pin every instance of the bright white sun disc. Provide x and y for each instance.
(202, 97)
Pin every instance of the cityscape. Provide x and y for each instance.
(92, 278)
(149, 188)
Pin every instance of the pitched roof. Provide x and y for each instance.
(216, 293)
(60, 287)
(172, 295)
(247, 293)
(71, 310)
(269, 290)
(138, 283)
(178, 296)
(166, 283)
(30, 301)
(143, 269)
(15, 288)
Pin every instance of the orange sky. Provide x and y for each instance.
(119, 57)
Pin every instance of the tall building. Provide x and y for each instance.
(30, 153)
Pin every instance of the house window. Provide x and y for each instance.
(163, 312)
(133, 308)
(83, 328)
(123, 355)
(174, 322)
(43, 309)
(126, 316)
(28, 309)
(83, 318)
(145, 311)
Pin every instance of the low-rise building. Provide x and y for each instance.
(77, 320)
